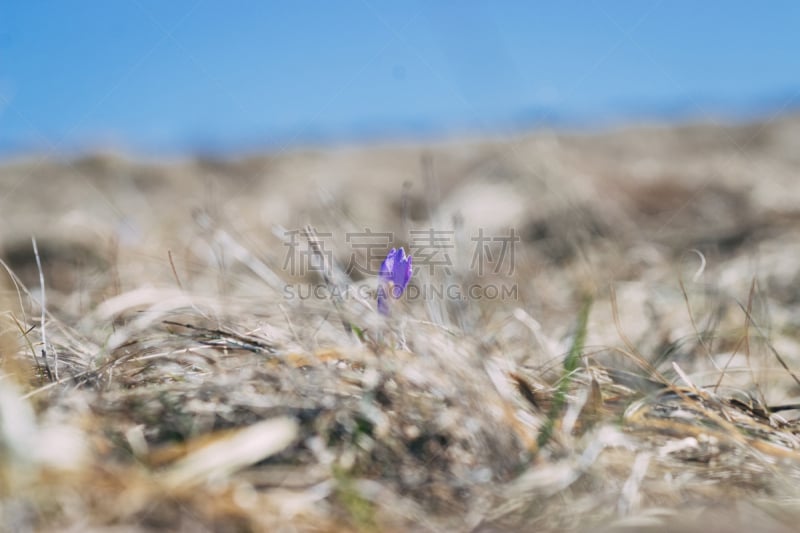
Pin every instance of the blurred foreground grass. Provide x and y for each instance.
(191, 383)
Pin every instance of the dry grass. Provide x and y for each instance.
(644, 379)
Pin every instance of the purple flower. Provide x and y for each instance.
(394, 276)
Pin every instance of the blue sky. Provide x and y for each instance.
(165, 76)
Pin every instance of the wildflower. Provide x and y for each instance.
(393, 277)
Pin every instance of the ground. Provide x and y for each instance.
(602, 331)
